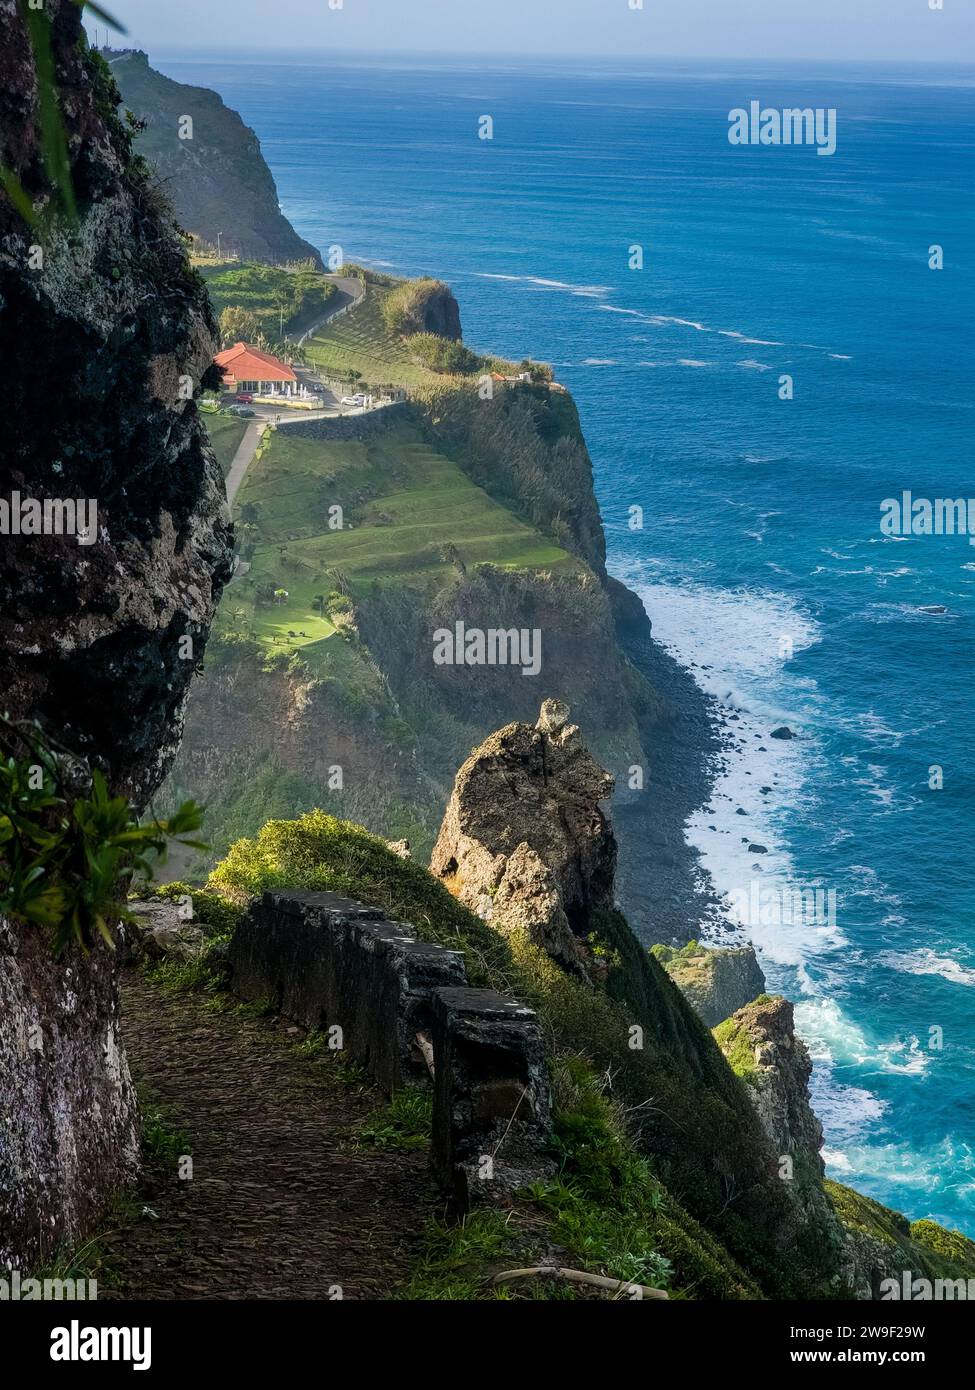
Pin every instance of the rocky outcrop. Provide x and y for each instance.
(716, 981)
(213, 172)
(160, 929)
(761, 1044)
(105, 336)
(441, 314)
(68, 1127)
(434, 310)
(524, 842)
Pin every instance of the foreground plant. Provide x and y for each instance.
(69, 849)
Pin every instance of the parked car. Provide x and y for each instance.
(357, 399)
(244, 398)
(240, 410)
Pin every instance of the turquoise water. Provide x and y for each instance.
(761, 560)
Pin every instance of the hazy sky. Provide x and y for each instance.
(839, 29)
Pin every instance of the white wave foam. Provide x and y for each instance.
(681, 323)
(926, 962)
(735, 645)
(946, 1167)
(586, 291)
(752, 342)
(834, 1039)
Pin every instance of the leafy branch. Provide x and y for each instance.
(54, 144)
(66, 861)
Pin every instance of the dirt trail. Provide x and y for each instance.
(276, 1207)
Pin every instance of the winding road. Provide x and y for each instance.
(350, 289)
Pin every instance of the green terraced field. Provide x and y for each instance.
(408, 511)
(360, 341)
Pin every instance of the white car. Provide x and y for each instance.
(358, 399)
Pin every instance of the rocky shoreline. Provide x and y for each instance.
(662, 885)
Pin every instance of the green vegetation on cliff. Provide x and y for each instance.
(357, 542)
(288, 299)
(924, 1247)
(408, 516)
(361, 341)
(685, 1110)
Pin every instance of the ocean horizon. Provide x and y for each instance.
(760, 555)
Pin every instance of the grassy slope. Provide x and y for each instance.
(226, 432)
(263, 289)
(360, 340)
(403, 504)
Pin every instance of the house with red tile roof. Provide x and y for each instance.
(247, 368)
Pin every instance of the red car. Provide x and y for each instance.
(244, 398)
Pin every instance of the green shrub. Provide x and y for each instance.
(403, 308)
(443, 355)
(67, 859)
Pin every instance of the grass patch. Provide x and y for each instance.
(405, 1123)
(455, 1258)
(93, 1259)
(226, 432)
(267, 292)
(162, 1142)
(361, 341)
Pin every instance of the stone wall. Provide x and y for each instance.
(328, 962)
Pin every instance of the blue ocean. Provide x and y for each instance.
(760, 559)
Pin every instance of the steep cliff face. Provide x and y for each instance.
(760, 1042)
(716, 982)
(526, 845)
(105, 336)
(213, 172)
